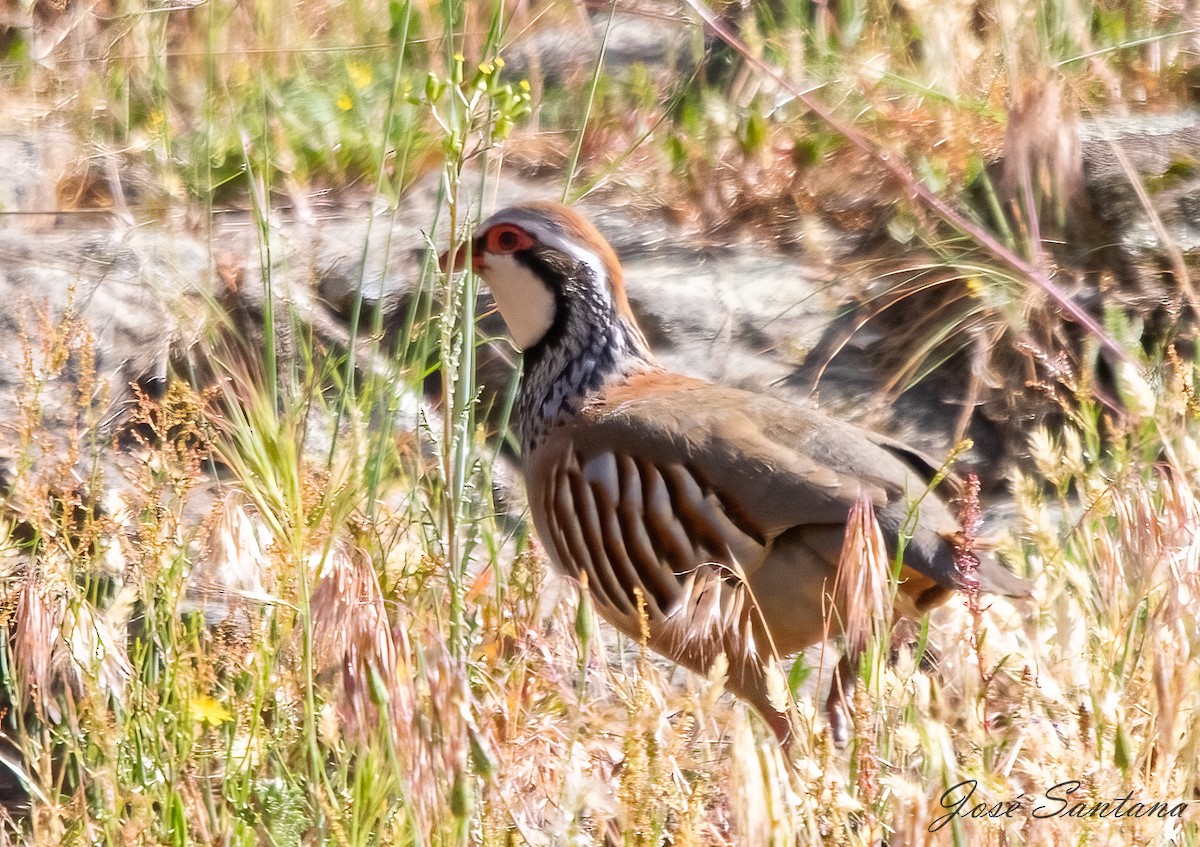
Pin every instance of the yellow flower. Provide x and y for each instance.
(206, 710)
(360, 74)
(345, 103)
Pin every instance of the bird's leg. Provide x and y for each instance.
(837, 704)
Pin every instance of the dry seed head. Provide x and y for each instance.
(38, 623)
(229, 571)
(777, 687)
(329, 726)
(718, 678)
(63, 643)
(94, 654)
(1074, 463)
(862, 592)
(353, 638)
(950, 45)
(1136, 391)
(1042, 149)
(1046, 453)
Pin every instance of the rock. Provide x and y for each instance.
(1160, 154)
(743, 315)
(566, 53)
(34, 159)
(88, 314)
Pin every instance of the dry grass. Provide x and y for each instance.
(326, 698)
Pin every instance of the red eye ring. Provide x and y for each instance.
(506, 239)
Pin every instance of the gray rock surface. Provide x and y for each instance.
(1160, 155)
(130, 295)
(739, 315)
(659, 38)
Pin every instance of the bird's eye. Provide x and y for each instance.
(505, 239)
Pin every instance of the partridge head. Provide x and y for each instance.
(716, 515)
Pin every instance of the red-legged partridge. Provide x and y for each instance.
(721, 512)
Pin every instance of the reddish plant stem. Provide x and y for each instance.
(900, 169)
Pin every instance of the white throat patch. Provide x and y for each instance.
(525, 302)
